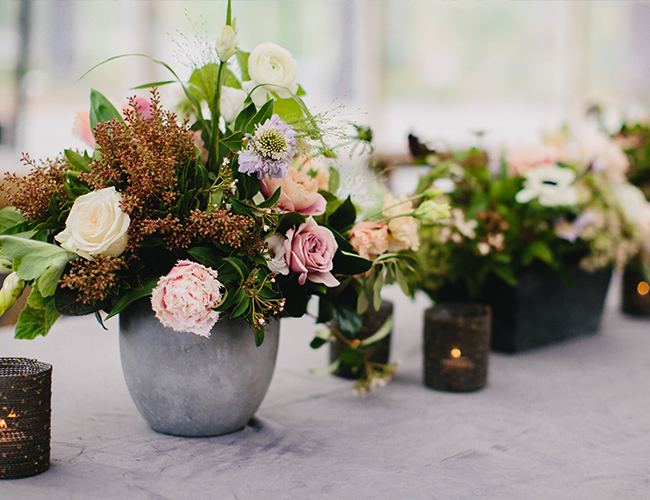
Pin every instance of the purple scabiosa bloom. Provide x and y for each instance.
(270, 150)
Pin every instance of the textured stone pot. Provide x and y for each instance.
(188, 385)
(378, 352)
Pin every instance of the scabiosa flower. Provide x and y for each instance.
(269, 150)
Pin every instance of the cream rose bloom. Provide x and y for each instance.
(299, 193)
(272, 65)
(402, 231)
(96, 225)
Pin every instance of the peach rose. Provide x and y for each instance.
(522, 159)
(299, 193)
(402, 231)
(309, 251)
(369, 239)
(184, 299)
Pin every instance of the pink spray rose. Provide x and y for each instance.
(309, 251)
(143, 104)
(183, 300)
(369, 239)
(299, 192)
(82, 128)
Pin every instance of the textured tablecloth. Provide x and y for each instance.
(570, 421)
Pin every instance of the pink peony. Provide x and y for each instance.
(82, 128)
(299, 192)
(369, 239)
(183, 300)
(309, 251)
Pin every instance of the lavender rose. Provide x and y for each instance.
(183, 300)
(309, 251)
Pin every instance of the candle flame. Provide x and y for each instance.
(643, 288)
(3, 424)
(12, 414)
(455, 352)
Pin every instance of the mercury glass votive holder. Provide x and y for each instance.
(25, 408)
(456, 346)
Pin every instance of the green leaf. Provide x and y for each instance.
(11, 221)
(245, 116)
(343, 217)
(334, 181)
(242, 60)
(376, 289)
(132, 295)
(241, 307)
(101, 109)
(36, 260)
(232, 142)
(383, 331)
(288, 109)
(362, 302)
(350, 264)
(289, 220)
(326, 371)
(77, 161)
(506, 274)
(402, 282)
(241, 268)
(259, 336)
(205, 79)
(540, 250)
(153, 84)
(37, 317)
(264, 113)
(272, 200)
(66, 304)
(351, 356)
(206, 256)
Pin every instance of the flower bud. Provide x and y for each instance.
(12, 289)
(433, 193)
(430, 211)
(227, 42)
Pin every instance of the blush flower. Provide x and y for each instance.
(270, 149)
(309, 251)
(82, 128)
(369, 239)
(299, 193)
(275, 254)
(185, 298)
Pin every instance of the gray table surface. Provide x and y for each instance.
(570, 421)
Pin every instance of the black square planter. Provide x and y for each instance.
(543, 309)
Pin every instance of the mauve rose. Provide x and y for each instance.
(299, 193)
(369, 239)
(183, 300)
(309, 251)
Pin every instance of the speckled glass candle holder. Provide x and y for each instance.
(456, 346)
(378, 352)
(25, 399)
(636, 292)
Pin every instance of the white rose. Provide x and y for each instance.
(96, 225)
(227, 42)
(271, 64)
(231, 103)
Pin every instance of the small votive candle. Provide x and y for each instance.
(25, 402)
(636, 291)
(456, 346)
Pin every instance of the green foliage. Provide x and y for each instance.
(101, 109)
(37, 317)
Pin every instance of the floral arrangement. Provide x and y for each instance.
(551, 207)
(211, 216)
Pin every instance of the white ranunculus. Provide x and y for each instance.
(634, 205)
(272, 65)
(227, 42)
(96, 225)
(551, 185)
(231, 103)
